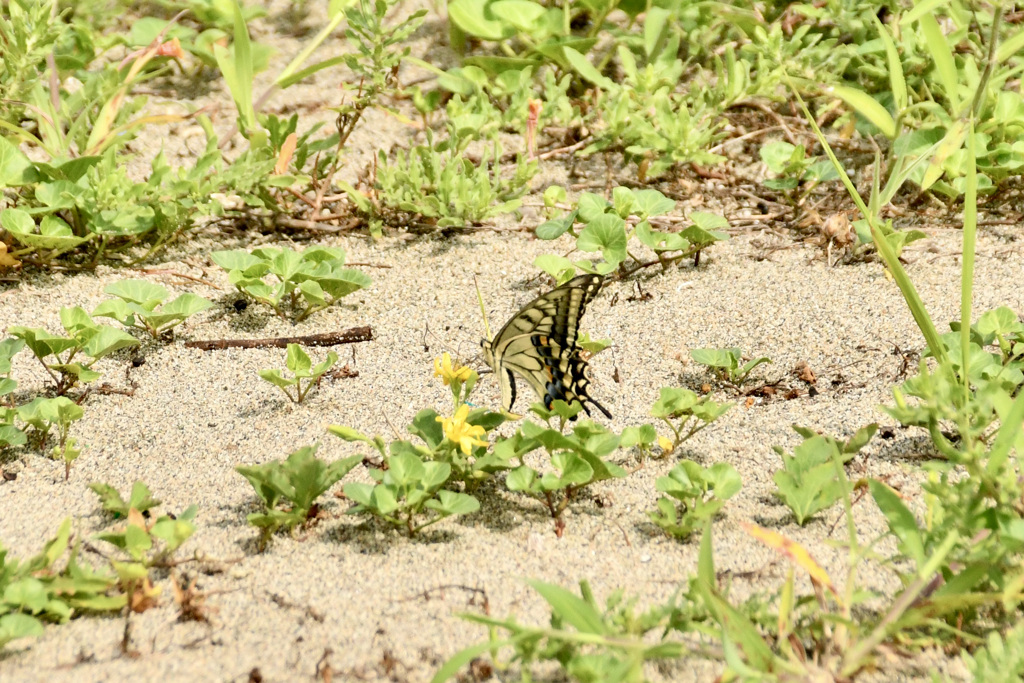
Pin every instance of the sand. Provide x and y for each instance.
(364, 600)
(356, 591)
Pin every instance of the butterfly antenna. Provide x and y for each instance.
(483, 311)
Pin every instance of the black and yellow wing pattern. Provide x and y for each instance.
(539, 345)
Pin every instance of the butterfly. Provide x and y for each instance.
(539, 345)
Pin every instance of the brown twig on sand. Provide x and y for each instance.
(349, 336)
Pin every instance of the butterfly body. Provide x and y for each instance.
(539, 344)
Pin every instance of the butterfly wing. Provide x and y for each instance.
(539, 344)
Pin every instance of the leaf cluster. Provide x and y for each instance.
(695, 495)
(299, 363)
(289, 488)
(306, 281)
(610, 227)
(588, 643)
(577, 459)
(808, 481)
(137, 305)
(62, 355)
(439, 185)
(727, 364)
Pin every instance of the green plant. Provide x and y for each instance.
(85, 336)
(439, 186)
(794, 170)
(148, 544)
(588, 643)
(42, 414)
(965, 397)
(407, 489)
(137, 303)
(685, 414)
(307, 281)
(302, 367)
(726, 363)
(458, 441)
(10, 434)
(1001, 660)
(605, 229)
(695, 495)
(289, 488)
(35, 590)
(577, 458)
(110, 499)
(808, 482)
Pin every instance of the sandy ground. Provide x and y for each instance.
(370, 603)
(355, 591)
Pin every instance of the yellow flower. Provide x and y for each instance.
(665, 444)
(458, 432)
(448, 372)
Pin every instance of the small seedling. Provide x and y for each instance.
(685, 414)
(578, 458)
(792, 167)
(695, 496)
(140, 499)
(35, 590)
(307, 281)
(302, 367)
(408, 491)
(140, 304)
(808, 481)
(150, 543)
(726, 363)
(42, 414)
(289, 489)
(85, 336)
(146, 544)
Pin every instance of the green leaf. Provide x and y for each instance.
(717, 358)
(297, 360)
(274, 377)
(15, 168)
(673, 402)
(108, 340)
(901, 521)
(556, 227)
(710, 222)
(558, 267)
(587, 70)
(359, 492)
(606, 234)
(570, 608)
(648, 203)
(240, 260)
(867, 107)
(591, 206)
(148, 294)
(897, 82)
(17, 625)
(660, 241)
(522, 14)
(476, 19)
(942, 58)
(633, 436)
(521, 479)
(186, 305)
(343, 282)
(452, 503)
